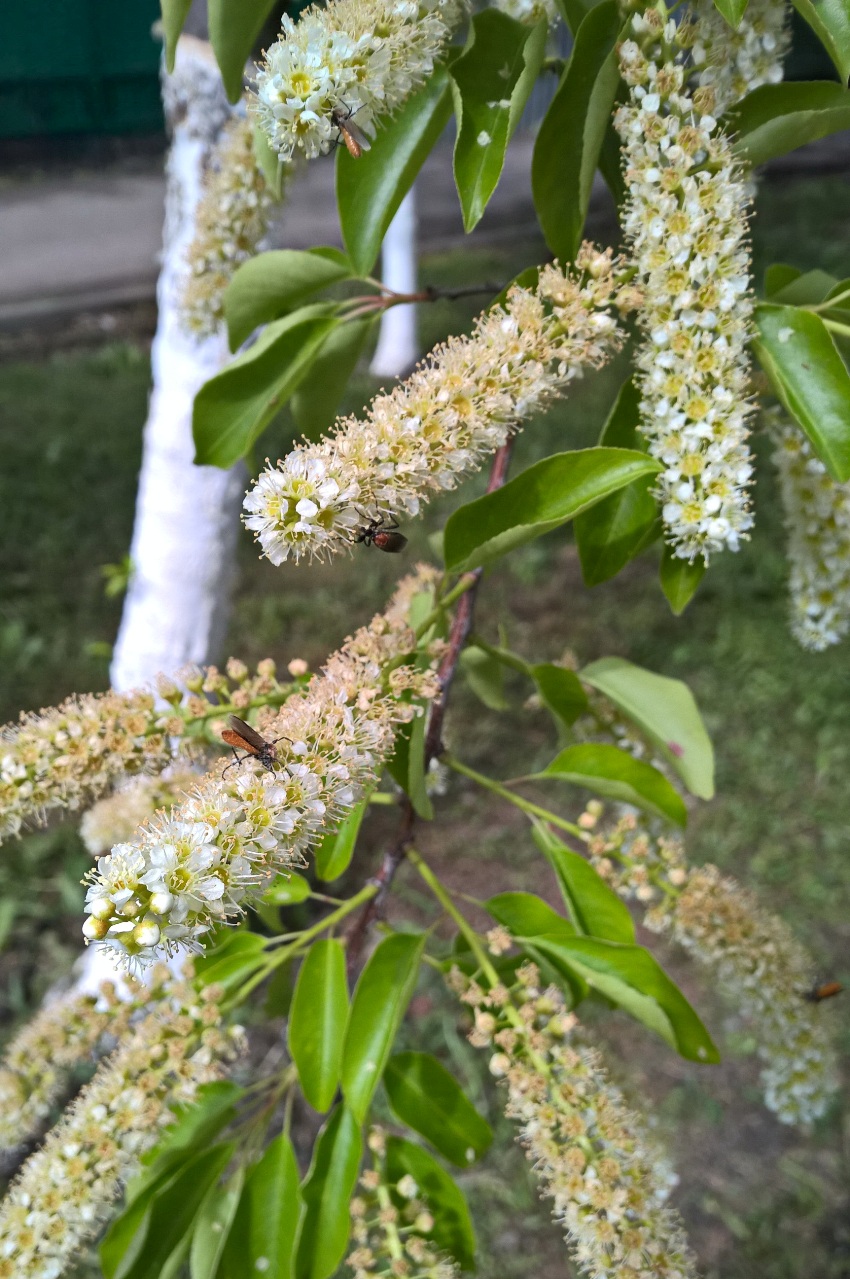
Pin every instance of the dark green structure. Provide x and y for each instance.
(78, 66)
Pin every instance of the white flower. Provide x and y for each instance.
(736, 61)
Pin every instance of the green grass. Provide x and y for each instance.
(759, 1200)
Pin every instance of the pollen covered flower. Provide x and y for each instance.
(592, 1155)
(66, 1191)
(114, 820)
(817, 517)
(686, 221)
(362, 58)
(736, 61)
(231, 220)
(203, 861)
(435, 427)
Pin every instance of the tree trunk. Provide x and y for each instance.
(397, 349)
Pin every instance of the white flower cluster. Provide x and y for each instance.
(593, 1156)
(362, 58)
(530, 11)
(230, 222)
(210, 855)
(817, 517)
(686, 220)
(115, 819)
(436, 426)
(67, 1189)
(734, 62)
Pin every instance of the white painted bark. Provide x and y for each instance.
(397, 350)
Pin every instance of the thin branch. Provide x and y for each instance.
(393, 858)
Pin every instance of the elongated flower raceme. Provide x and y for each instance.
(734, 61)
(232, 218)
(201, 863)
(435, 427)
(817, 518)
(67, 1190)
(592, 1155)
(362, 58)
(753, 955)
(116, 818)
(686, 220)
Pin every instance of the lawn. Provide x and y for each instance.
(759, 1199)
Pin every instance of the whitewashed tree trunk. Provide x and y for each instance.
(397, 349)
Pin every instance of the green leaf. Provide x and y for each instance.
(274, 284)
(680, 578)
(234, 960)
(566, 151)
(268, 161)
(327, 1191)
(484, 674)
(286, 889)
(491, 83)
(233, 408)
(732, 10)
(560, 690)
(665, 710)
(778, 118)
(336, 850)
(607, 770)
(174, 15)
(617, 529)
(267, 1219)
(794, 288)
(830, 21)
(542, 498)
(407, 766)
(234, 26)
(380, 1002)
(213, 1226)
(595, 908)
(316, 402)
(317, 1021)
(574, 12)
(797, 353)
(430, 1101)
(633, 979)
(777, 277)
(452, 1231)
(528, 916)
(370, 190)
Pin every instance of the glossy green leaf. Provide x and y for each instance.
(830, 21)
(233, 408)
(174, 15)
(732, 10)
(607, 770)
(430, 1101)
(808, 375)
(234, 26)
(633, 979)
(797, 288)
(265, 1227)
(334, 853)
(316, 402)
(665, 710)
(778, 118)
(286, 889)
(491, 83)
(560, 690)
(276, 283)
(407, 766)
(195, 1128)
(317, 1021)
(568, 143)
(484, 674)
(452, 1231)
(618, 528)
(369, 190)
(596, 910)
(679, 579)
(542, 498)
(213, 1227)
(379, 1004)
(574, 12)
(233, 961)
(526, 915)
(327, 1192)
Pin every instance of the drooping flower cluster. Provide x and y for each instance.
(66, 1190)
(686, 220)
(754, 957)
(116, 818)
(361, 58)
(230, 222)
(435, 427)
(736, 61)
(36, 1065)
(210, 855)
(592, 1155)
(390, 1226)
(530, 11)
(817, 517)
